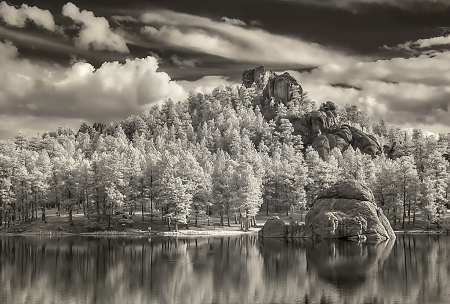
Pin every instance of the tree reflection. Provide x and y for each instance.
(232, 269)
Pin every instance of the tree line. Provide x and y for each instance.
(212, 154)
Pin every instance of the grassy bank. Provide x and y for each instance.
(59, 225)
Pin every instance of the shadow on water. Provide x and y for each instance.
(230, 269)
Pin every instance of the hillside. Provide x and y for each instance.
(263, 146)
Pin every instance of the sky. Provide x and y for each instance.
(63, 63)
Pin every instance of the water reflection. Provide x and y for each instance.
(233, 269)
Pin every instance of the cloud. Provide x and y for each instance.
(95, 31)
(17, 17)
(206, 84)
(405, 91)
(233, 21)
(411, 46)
(112, 92)
(200, 34)
(256, 23)
(32, 125)
(183, 63)
(125, 19)
(412, 5)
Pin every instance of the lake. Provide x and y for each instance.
(230, 269)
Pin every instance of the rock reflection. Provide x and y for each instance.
(232, 269)
(346, 264)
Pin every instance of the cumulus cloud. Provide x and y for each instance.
(413, 91)
(17, 17)
(95, 31)
(233, 21)
(230, 41)
(112, 92)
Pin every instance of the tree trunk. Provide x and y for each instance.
(414, 217)
(142, 210)
(409, 211)
(404, 207)
(70, 215)
(97, 204)
(168, 223)
(196, 220)
(246, 228)
(287, 209)
(43, 215)
(228, 218)
(84, 209)
(151, 196)
(221, 219)
(267, 209)
(235, 218)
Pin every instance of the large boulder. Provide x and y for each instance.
(273, 228)
(347, 210)
(321, 130)
(322, 145)
(366, 143)
(313, 124)
(280, 89)
(257, 75)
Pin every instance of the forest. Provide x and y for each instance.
(214, 154)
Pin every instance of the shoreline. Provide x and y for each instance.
(184, 233)
(135, 233)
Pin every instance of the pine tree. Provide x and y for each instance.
(406, 177)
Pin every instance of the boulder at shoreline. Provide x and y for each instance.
(273, 228)
(346, 210)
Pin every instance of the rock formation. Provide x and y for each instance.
(273, 228)
(319, 129)
(345, 210)
(257, 75)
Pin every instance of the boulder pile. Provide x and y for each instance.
(346, 210)
(319, 129)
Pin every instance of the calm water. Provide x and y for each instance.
(232, 269)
